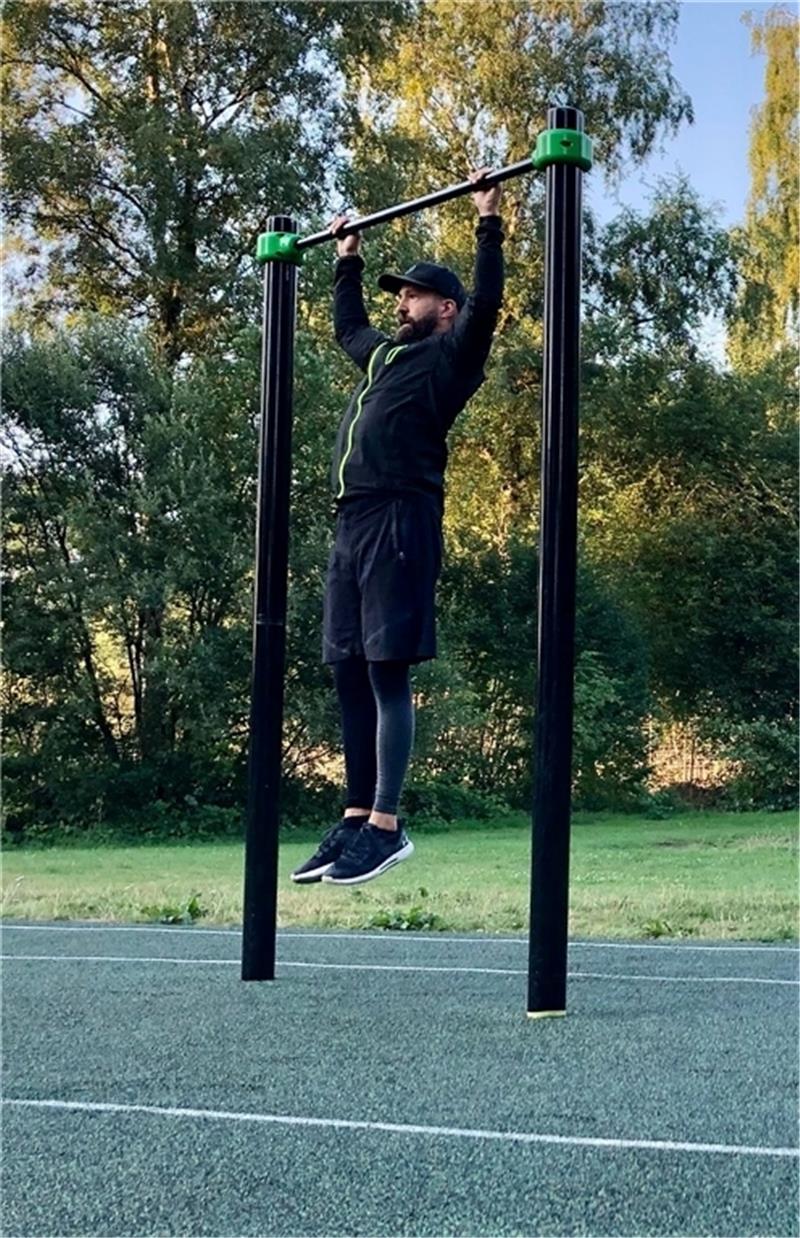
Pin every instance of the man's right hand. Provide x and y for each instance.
(347, 244)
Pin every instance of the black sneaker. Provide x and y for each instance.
(369, 853)
(329, 850)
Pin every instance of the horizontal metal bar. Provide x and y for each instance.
(419, 204)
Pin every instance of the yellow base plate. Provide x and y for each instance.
(547, 1014)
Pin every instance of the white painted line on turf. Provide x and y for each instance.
(116, 958)
(128, 958)
(443, 939)
(572, 975)
(404, 967)
(397, 1128)
(677, 945)
(591, 975)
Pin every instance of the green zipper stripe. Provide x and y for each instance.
(392, 353)
(359, 403)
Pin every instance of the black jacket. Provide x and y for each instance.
(393, 436)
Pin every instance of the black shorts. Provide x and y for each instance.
(381, 582)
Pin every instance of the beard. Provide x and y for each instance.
(412, 330)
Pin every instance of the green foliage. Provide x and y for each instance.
(489, 602)
(767, 316)
(129, 541)
(145, 144)
(689, 513)
(184, 913)
(657, 928)
(764, 752)
(466, 79)
(438, 802)
(651, 277)
(410, 919)
(660, 805)
(612, 698)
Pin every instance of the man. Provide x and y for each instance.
(388, 475)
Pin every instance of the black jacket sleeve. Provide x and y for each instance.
(468, 343)
(351, 325)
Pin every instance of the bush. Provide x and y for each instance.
(305, 806)
(765, 753)
(659, 805)
(439, 803)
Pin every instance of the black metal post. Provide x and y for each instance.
(269, 615)
(547, 967)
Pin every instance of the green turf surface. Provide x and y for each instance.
(667, 1051)
(703, 875)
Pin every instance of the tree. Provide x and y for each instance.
(689, 518)
(651, 277)
(130, 506)
(485, 710)
(132, 489)
(768, 313)
(129, 537)
(469, 84)
(146, 142)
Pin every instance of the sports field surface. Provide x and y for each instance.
(391, 1084)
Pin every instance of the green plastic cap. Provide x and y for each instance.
(563, 146)
(278, 247)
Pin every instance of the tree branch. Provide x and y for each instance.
(115, 187)
(75, 72)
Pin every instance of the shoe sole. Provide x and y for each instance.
(313, 874)
(403, 854)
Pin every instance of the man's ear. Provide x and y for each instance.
(449, 308)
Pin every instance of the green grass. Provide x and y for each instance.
(698, 875)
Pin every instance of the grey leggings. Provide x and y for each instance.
(377, 728)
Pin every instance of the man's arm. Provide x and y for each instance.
(350, 321)
(470, 339)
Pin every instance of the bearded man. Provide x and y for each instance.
(388, 482)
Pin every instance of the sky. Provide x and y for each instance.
(712, 61)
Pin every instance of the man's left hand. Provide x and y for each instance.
(486, 200)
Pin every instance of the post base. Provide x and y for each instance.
(547, 1014)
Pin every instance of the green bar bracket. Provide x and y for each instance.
(279, 247)
(562, 146)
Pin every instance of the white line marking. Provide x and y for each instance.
(572, 975)
(590, 975)
(678, 945)
(397, 1128)
(357, 935)
(406, 967)
(481, 971)
(114, 958)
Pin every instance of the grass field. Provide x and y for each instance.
(699, 875)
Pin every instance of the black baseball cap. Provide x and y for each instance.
(427, 275)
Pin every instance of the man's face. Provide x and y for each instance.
(421, 313)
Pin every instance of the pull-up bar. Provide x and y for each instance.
(564, 152)
(556, 145)
(421, 204)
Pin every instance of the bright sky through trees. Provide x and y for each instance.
(713, 62)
